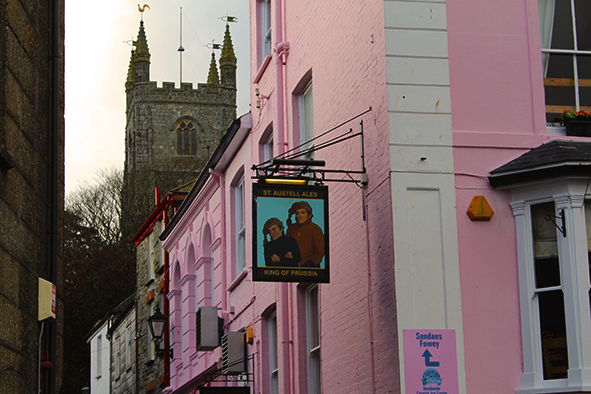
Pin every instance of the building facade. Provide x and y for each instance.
(31, 193)
(152, 287)
(100, 358)
(123, 355)
(171, 131)
(459, 261)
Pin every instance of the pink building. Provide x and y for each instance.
(422, 296)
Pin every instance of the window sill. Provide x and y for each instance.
(238, 279)
(149, 282)
(263, 67)
(556, 130)
(555, 390)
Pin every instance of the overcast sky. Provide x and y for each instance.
(98, 48)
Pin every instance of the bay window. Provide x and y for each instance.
(551, 205)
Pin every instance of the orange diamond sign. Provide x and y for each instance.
(480, 209)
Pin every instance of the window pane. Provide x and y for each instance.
(313, 325)
(582, 12)
(562, 34)
(553, 333)
(546, 263)
(560, 66)
(314, 340)
(588, 225)
(273, 365)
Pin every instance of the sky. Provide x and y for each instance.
(98, 48)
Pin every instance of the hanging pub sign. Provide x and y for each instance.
(290, 233)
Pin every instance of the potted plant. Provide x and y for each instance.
(578, 124)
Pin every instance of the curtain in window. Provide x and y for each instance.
(545, 242)
(546, 14)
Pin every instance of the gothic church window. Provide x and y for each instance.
(186, 135)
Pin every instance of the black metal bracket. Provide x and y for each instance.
(304, 170)
(561, 228)
(160, 352)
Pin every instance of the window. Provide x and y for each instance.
(273, 364)
(240, 226)
(548, 292)
(265, 27)
(128, 349)
(306, 117)
(266, 145)
(186, 135)
(149, 258)
(99, 356)
(117, 357)
(554, 280)
(553, 228)
(313, 340)
(150, 346)
(565, 29)
(156, 248)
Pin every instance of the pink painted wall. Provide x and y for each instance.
(497, 114)
(340, 45)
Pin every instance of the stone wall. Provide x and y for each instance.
(25, 190)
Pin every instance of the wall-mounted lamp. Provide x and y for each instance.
(287, 180)
(157, 324)
(260, 97)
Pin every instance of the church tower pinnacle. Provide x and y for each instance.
(228, 61)
(139, 63)
(213, 77)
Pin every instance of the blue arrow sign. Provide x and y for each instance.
(428, 361)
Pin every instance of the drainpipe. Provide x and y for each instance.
(55, 180)
(281, 49)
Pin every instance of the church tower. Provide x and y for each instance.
(171, 131)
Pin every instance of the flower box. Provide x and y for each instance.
(578, 128)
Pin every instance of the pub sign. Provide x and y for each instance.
(290, 233)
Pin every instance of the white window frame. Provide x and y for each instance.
(240, 225)
(567, 195)
(313, 350)
(265, 32)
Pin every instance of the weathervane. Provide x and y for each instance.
(213, 45)
(228, 18)
(142, 9)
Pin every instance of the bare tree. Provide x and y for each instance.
(99, 268)
(98, 206)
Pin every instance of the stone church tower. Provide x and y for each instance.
(171, 132)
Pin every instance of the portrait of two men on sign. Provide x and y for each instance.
(302, 246)
(292, 223)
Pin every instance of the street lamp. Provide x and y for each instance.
(157, 324)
